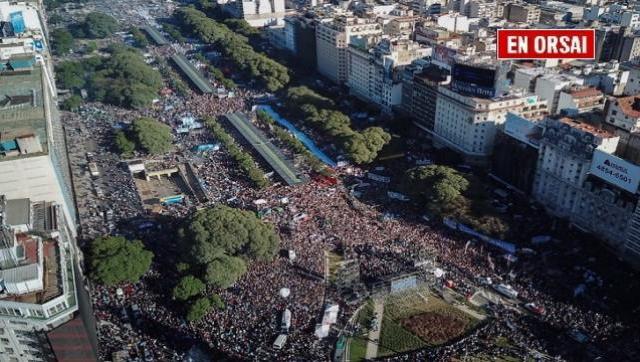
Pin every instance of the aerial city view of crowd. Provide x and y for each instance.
(351, 247)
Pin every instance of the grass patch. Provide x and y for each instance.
(406, 318)
(395, 339)
(334, 265)
(357, 349)
(365, 315)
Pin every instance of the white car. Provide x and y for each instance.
(506, 290)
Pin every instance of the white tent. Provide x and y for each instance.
(322, 330)
(285, 292)
(330, 314)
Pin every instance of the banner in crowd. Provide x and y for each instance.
(504, 245)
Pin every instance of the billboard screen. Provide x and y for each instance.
(475, 81)
(615, 171)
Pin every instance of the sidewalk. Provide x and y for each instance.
(374, 334)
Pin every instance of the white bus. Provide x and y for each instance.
(93, 169)
(286, 321)
(506, 290)
(280, 341)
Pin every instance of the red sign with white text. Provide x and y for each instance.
(546, 43)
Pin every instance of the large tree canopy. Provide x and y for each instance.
(152, 136)
(438, 184)
(99, 25)
(235, 46)
(304, 95)
(218, 239)
(124, 144)
(61, 41)
(188, 287)
(360, 147)
(124, 79)
(225, 270)
(115, 259)
(364, 147)
(70, 75)
(198, 309)
(449, 193)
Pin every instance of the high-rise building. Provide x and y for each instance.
(564, 160)
(420, 94)
(300, 34)
(630, 49)
(609, 41)
(522, 13)
(469, 124)
(333, 37)
(40, 218)
(373, 68)
(259, 13)
(38, 291)
(580, 99)
(480, 9)
(515, 152)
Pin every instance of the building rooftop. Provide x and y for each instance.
(51, 287)
(23, 129)
(71, 342)
(629, 105)
(586, 127)
(585, 92)
(18, 212)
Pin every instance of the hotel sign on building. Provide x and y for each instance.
(615, 171)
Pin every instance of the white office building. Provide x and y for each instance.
(469, 124)
(333, 37)
(564, 161)
(38, 253)
(37, 285)
(260, 13)
(373, 69)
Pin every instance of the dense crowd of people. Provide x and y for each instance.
(312, 219)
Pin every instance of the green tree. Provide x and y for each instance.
(98, 25)
(364, 147)
(241, 27)
(114, 260)
(70, 75)
(174, 32)
(90, 47)
(198, 309)
(223, 230)
(218, 239)
(297, 96)
(187, 287)
(61, 41)
(271, 74)
(438, 184)
(217, 302)
(152, 136)
(139, 38)
(124, 144)
(72, 103)
(124, 79)
(224, 271)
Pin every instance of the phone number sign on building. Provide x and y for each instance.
(546, 44)
(615, 171)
